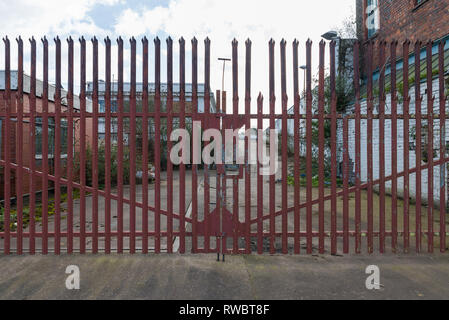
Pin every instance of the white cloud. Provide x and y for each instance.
(220, 20)
(259, 20)
(38, 18)
(29, 18)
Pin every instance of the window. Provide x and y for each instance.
(372, 17)
(114, 106)
(102, 106)
(102, 120)
(51, 138)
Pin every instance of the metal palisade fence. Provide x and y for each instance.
(361, 169)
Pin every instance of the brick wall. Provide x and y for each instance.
(26, 146)
(400, 145)
(403, 19)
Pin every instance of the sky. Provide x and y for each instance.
(220, 20)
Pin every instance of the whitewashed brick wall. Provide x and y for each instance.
(440, 173)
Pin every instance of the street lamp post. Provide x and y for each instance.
(333, 35)
(224, 68)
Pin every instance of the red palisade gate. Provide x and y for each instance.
(87, 168)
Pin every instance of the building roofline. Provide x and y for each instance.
(40, 89)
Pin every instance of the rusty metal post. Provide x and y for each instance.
(108, 182)
(418, 102)
(394, 146)
(182, 167)
(132, 148)
(284, 156)
(381, 51)
(321, 147)
(442, 98)
(430, 140)
(333, 110)
(157, 149)
(194, 166)
(405, 111)
(7, 150)
(358, 160)
(19, 146)
(145, 156)
(248, 189)
(70, 106)
(297, 169)
(309, 222)
(169, 145)
(272, 195)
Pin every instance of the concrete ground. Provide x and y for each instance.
(240, 277)
(200, 277)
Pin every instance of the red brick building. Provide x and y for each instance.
(414, 20)
(25, 149)
(402, 19)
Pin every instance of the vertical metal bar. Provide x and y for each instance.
(358, 161)
(224, 179)
(442, 95)
(394, 146)
(219, 201)
(284, 148)
(405, 112)
(32, 201)
(297, 158)
(19, 146)
(83, 146)
(235, 111)
(369, 144)
(334, 162)
(345, 184)
(145, 159)
(247, 146)
(120, 138)
(309, 222)
(95, 147)
(430, 156)
(157, 149)
(7, 150)
(195, 165)
(45, 168)
(182, 167)
(260, 229)
(132, 141)
(382, 147)
(206, 169)
(70, 147)
(272, 205)
(418, 101)
(107, 149)
(57, 153)
(321, 147)
(169, 145)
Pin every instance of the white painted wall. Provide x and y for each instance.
(440, 173)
